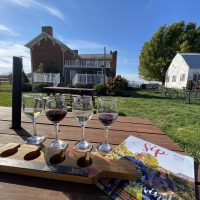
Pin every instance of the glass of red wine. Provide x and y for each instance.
(107, 114)
(56, 111)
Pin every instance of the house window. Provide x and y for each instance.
(173, 78)
(182, 77)
(167, 79)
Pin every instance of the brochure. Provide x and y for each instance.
(162, 174)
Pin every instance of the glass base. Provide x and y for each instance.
(83, 146)
(58, 144)
(104, 148)
(35, 140)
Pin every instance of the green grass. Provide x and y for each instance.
(5, 87)
(180, 121)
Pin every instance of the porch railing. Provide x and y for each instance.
(89, 79)
(53, 78)
(87, 63)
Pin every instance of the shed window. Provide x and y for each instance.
(167, 79)
(182, 77)
(173, 78)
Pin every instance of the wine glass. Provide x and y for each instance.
(107, 114)
(32, 107)
(83, 110)
(56, 111)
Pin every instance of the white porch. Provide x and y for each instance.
(53, 78)
(89, 79)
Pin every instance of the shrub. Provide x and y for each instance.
(117, 83)
(79, 85)
(39, 86)
(120, 92)
(100, 89)
(27, 87)
(89, 86)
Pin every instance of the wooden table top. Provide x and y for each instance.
(67, 89)
(17, 187)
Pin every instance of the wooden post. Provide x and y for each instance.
(16, 92)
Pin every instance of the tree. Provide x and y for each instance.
(49, 68)
(24, 78)
(40, 68)
(157, 54)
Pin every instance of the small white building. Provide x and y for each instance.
(183, 68)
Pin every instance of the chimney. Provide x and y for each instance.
(48, 30)
(113, 64)
(75, 51)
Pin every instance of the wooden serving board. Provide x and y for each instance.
(41, 161)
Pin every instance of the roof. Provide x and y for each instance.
(96, 56)
(192, 59)
(46, 35)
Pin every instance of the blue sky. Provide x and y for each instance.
(89, 25)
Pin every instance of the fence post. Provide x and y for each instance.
(16, 92)
(86, 78)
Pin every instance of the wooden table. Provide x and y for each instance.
(71, 91)
(17, 187)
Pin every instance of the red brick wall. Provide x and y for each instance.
(69, 56)
(44, 52)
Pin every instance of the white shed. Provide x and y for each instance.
(183, 68)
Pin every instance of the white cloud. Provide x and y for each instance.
(10, 49)
(7, 30)
(148, 6)
(37, 5)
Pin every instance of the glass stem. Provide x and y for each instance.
(56, 130)
(106, 134)
(83, 132)
(34, 128)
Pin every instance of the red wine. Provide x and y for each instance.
(56, 115)
(107, 118)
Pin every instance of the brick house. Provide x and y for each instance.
(72, 66)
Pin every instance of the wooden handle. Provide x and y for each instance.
(63, 165)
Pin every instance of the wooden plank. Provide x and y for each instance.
(17, 187)
(37, 161)
(93, 135)
(137, 125)
(6, 115)
(4, 138)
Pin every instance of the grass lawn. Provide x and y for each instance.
(5, 86)
(180, 121)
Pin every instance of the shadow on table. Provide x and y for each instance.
(71, 190)
(22, 133)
